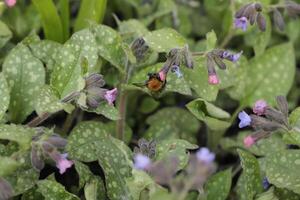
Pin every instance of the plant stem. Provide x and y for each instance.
(69, 121)
(123, 103)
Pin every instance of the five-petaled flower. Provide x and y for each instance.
(245, 119)
(141, 162)
(111, 95)
(204, 155)
(241, 23)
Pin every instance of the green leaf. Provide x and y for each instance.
(53, 190)
(52, 25)
(84, 173)
(268, 195)
(197, 79)
(22, 180)
(174, 147)
(165, 124)
(218, 186)
(90, 11)
(148, 105)
(4, 96)
(25, 76)
(32, 194)
(294, 117)
(211, 40)
(88, 142)
(17, 133)
(276, 65)
(286, 194)
(139, 181)
(209, 113)
(163, 40)
(67, 73)
(5, 34)
(64, 10)
(94, 189)
(48, 102)
(107, 110)
(282, 169)
(7, 166)
(109, 44)
(251, 173)
(174, 84)
(132, 27)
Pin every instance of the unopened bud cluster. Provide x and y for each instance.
(265, 120)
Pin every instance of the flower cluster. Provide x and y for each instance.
(95, 93)
(265, 120)
(216, 57)
(48, 147)
(200, 167)
(250, 12)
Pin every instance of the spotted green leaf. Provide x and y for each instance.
(94, 189)
(294, 118)
(174, 147)
(17, 133)
(32, 194)
(48, 102)
(276, 65)
(7, 166)
(67, 75)
(209, 113)
(89, 141)
(109, 45)
(285, 194)
(25, 76)
(251, 173)
(197, 79)
(282, 169)
(163, 40)
(53, 190)
(5, 34)
(139, 181)
(84, 173)
(218, 186)
(4, 95)
(165, 124)
(45, 50)
(109, 111)
(268, 195)
(134, 27)
(174, 84)
(22, 180)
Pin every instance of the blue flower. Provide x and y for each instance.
(175, 69)
(241, 23)
(231, 57)
(141, 162)
(245, 119)
(265, 183)
(204, 155)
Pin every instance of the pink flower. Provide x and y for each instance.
(259, 107)
(249, 141)
(111, 95)
(63, 163)
(162, 75)
(10, 3)
(213, 79)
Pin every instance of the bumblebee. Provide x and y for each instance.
(154, 83)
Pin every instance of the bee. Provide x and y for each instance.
(154, 82)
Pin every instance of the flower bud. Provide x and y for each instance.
(278, 19)
(36, 159)
(261, 22)
(94, 80)
(276, 116)
(260, 107)
(57, 141)
(6, 191)
(258, 123)
(94, 96)
(10, 3)
(249, 141)
(283, 105)
(140, 49)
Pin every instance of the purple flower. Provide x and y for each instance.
(231, 57)
(10, 3)
(241, 23)
(260, 107)
(245, 119)
(141, 161)
(111, 95)
(175, 69)
(204, 155)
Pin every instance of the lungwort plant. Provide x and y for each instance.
(149, 100)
